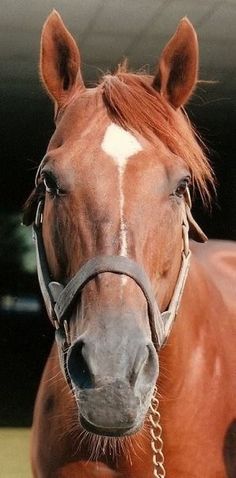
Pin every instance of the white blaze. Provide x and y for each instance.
(120, 145)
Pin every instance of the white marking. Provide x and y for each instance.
(120, 145)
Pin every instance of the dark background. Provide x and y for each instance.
(106, 31)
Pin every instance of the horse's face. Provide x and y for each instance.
(110, 191)
(120, 195)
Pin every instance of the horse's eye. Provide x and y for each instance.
(182, 187)
(51, 185)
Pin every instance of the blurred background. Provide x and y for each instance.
(106, 31)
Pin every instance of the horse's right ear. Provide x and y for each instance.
(59, 61)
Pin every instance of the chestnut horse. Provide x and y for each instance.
(113, 219)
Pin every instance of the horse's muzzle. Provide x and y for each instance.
(113, 384)
(110, 410)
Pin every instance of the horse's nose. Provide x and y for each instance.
(113, 380)
(89, 366)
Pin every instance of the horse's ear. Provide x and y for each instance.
(59, 60)
(177, 71)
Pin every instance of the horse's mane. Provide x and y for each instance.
(134, 104)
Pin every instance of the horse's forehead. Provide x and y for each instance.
(95, 141)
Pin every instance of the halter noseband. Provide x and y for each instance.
(59, 299)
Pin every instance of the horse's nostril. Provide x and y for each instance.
(78, 368)
(145, 366)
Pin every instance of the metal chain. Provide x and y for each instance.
(156, 442)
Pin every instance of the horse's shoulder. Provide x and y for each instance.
(218, 259)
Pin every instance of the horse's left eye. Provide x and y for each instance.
(51, 185)
(182, 187)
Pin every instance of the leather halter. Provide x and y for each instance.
(59, 299)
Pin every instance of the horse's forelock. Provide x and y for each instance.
(134, 104)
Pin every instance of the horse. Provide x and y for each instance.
(140, 381)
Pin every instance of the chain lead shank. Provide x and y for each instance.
(156, 438)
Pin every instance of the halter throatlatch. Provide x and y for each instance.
(59, 299)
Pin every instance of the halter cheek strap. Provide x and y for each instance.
(59, 299)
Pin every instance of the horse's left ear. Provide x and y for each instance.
(177, 71)
(59, 60)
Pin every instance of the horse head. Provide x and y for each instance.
(113, 187)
